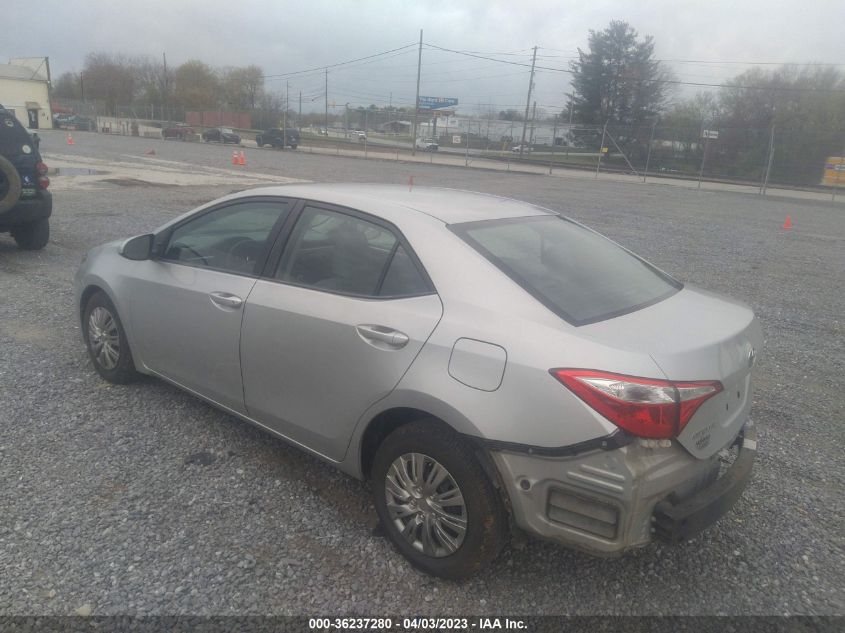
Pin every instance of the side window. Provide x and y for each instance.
(230, 238)
(403, 278)
(337, 252)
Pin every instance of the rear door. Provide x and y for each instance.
(341, 314)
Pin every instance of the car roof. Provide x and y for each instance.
(390, 202)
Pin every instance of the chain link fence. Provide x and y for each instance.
(794, 158)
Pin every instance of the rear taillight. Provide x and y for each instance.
(646, 407)
(43, 180)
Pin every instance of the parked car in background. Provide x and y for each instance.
(83, 123)
(221, 135)
(358, 135)
(74, 122)
(277, 138)
(62, 120)
(525, 149)
(559, 383)
(179, 131)
(428, 145)
(25, 203)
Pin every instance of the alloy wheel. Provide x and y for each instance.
(104, 338)
(426, 504)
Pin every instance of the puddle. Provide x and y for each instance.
(77, 171)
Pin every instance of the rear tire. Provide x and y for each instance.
(32, 236)
(463, 513)
(106, 341)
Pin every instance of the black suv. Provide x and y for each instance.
(25, 203)
(274, 137)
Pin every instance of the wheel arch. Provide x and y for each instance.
(91, 287)
(389, 418)
(382, 425)
(400, 408)
(90, 290)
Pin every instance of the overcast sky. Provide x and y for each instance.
(283, 37)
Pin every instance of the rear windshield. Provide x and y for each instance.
(580, 275)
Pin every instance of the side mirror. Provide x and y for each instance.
(138, 248)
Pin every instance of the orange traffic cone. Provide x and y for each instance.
(242, 159)
(150, 152)
(69, 139)
(788, 223)
(234, 157)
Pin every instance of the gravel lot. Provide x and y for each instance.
(144, 500)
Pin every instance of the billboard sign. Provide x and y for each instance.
(433, 103)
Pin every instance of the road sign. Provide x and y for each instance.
(456, 139)
(604, 150)
(434, 103)
(710, 134)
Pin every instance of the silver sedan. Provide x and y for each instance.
(489, 364)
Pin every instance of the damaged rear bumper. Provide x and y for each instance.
(607, 501)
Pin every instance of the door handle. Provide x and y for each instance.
(381, 334)
(226, 299)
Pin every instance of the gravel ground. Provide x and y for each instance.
(144, 500)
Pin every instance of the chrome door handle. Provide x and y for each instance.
(382, 334)
(226, 299)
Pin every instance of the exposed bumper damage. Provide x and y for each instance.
(609, 501)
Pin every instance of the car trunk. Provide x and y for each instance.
(695, 335)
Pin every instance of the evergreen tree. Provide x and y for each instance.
(617, 79)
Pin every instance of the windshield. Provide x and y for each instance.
(577, 273)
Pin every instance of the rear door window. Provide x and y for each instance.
(342, 253)
(577, 273)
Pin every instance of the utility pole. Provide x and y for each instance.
(327, 101)
(164, 100)
(601, 147)
(417, 101)
(769, 162)
(299, 118)
(528, 103)
(285, 116)
(703, 158)
(533, 124)
(650, 143)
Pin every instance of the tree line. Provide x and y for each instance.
(118, 80)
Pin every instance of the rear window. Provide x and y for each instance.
(580, 275)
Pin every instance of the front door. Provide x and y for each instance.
(347, 310)
(33, 119)
(187, 304)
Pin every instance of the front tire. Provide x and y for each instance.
(32, 236)
(106, 341)
(435, 501)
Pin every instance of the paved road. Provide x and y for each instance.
(143, 500)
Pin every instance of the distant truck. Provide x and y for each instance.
(427, 145)
(180, 130)
(278, 139)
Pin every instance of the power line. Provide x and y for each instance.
(647, 80)
(351, 61)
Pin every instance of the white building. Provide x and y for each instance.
(25, 90)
